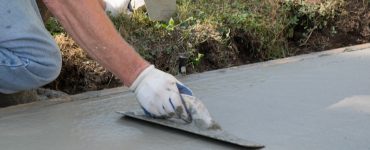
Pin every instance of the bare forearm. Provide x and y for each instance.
(87, 23)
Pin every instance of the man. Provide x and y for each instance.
(29, 58)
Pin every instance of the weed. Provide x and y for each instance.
(197, 59)
(313, 16)
(170, 26)
(53, 26)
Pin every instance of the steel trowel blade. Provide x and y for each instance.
(218, 135)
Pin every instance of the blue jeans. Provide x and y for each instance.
(29, 57)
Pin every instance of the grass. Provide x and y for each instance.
(257, 29)
(222, 33)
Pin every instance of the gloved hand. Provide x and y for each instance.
(159, 94)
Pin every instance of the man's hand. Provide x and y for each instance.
(159, 94)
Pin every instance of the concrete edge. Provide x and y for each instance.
(45, 103)
(188, 78)
(195, 76)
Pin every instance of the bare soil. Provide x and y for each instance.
(79, 72)
(352, 27)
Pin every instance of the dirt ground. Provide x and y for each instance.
(353, 27)
(81, 74)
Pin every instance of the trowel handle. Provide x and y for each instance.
(185, 90)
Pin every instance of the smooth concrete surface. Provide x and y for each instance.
(319, 101)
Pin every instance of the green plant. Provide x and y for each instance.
(53, 26)
(226, 30)
(311, 16)
(196, 61)
(170, 26)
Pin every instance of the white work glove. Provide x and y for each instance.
(159, 94)
(116, 7)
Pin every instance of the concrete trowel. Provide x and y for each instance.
(197, 126)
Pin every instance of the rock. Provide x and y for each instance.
(160, 10)
(29, 96)
(18, 98)
(45, 94)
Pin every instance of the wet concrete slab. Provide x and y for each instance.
(315, 101)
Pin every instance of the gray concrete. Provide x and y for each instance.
(318, 101)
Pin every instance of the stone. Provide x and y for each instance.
(18, 98)
(160, 10)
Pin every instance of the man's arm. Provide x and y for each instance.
(87, 23)
(157, 92)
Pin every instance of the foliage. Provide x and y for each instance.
(197, 59)
(312, 16)
(223, 32)
(53, 26)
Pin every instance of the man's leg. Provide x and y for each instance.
(29, 57)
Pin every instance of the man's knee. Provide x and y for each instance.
(29, 57)
(24, 73)
(50, 68)
(46, 69)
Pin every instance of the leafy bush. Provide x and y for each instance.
(310, 17)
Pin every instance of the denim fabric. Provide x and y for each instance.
(29, 57)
